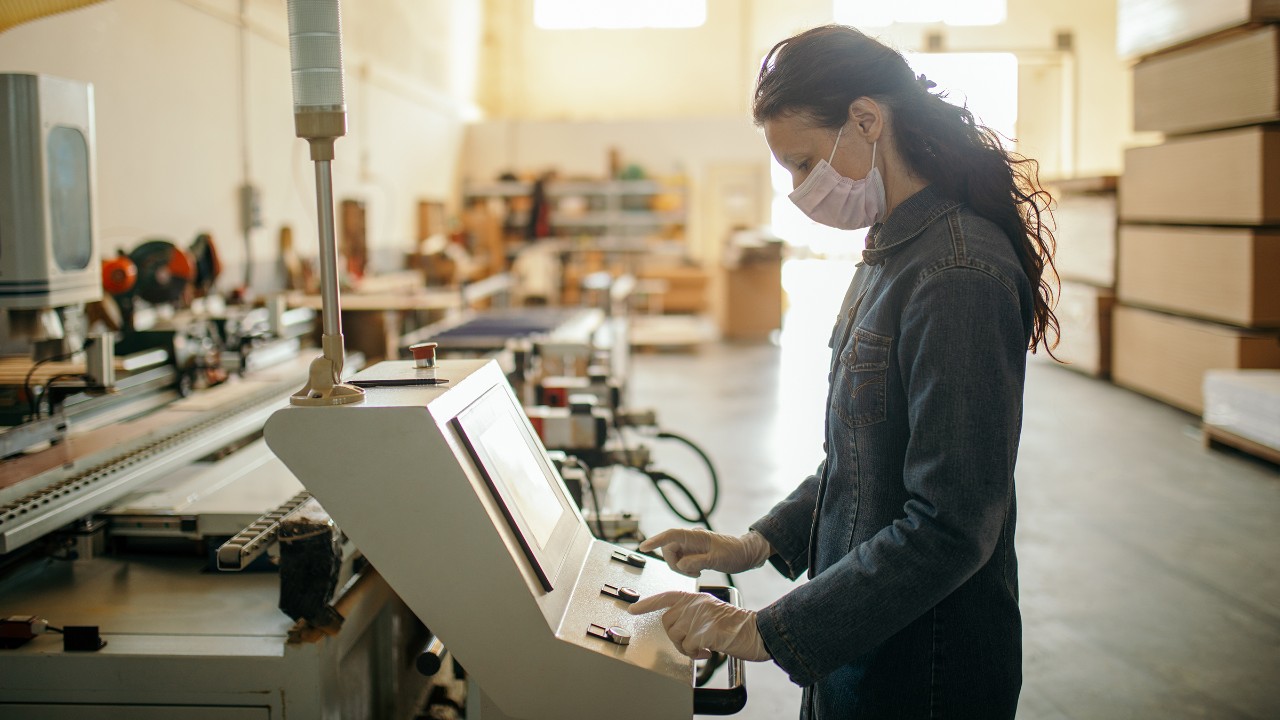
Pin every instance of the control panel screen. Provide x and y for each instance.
(520, 472)
(527, 488)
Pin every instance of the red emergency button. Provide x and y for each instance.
(424, 354)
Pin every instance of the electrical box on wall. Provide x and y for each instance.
(48, 221)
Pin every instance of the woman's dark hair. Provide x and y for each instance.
(818, 73)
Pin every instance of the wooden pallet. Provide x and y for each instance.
(1217, 438)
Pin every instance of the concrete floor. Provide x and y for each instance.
(1150, 567)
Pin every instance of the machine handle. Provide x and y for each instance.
(723, 701)
(431, 657)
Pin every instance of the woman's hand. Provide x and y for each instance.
(699, 624)
(689, 552)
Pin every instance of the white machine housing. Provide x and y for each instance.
(399, 474)
(48, 219)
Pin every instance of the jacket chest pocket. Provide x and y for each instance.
(858, 396)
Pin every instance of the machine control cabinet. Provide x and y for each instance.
(450, 494)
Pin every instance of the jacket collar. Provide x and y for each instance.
(905, 224)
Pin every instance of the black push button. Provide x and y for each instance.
(625, 594)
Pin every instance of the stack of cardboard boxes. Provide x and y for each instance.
(1199, 239)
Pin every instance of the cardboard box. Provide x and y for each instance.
(1230, 81)
(686, 287)
(1166, 356)
(1223, 178)
(754, 303)
(1084, 316)
(1086, 238)
(1223, 274)
(1147, 26)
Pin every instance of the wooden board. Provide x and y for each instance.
(1084, 315)
(1166, 356)
(1230, 177)
(1086, 237)
(1228, 82)
(1221, 274)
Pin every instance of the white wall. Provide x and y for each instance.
(603, 75)
(176, 136)
(606, 74)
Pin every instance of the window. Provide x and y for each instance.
(881, 13)
(70, 207)
(618, 14)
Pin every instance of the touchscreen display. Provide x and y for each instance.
(515, 466)
(520, 472)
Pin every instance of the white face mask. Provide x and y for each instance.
(834, 200)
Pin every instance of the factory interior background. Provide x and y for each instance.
(554, 157)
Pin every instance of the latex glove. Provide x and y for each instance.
(698, 624)
(690, 551)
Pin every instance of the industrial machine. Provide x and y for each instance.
(439, 478)
(48, 228)
(122, 473)
(110, 537)
(376, 501)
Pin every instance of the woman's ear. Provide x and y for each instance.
(867, 116)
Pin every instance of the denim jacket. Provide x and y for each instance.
(906, 528)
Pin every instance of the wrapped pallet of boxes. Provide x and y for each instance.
(1242, 409)
(1166, 356)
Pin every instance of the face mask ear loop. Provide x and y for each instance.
(833, 148)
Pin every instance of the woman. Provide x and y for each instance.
(906, 529)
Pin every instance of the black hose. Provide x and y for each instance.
(26, 384)
(657, 477)
(48, 386)
(711, 468)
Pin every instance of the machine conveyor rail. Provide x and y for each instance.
(250, 543)
(91, 483)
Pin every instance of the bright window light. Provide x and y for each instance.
(882, 13)
(987, 83)
(618, 14)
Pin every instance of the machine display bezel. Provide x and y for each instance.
(495, 405)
